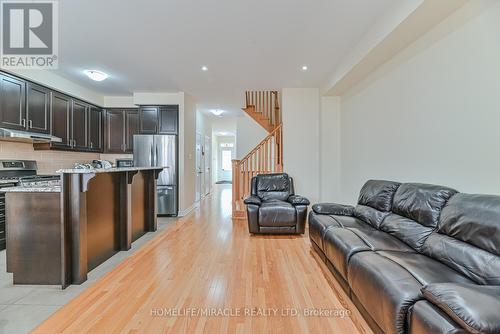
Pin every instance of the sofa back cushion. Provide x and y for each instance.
(378, 194)
(421, 202)
(468, 237)
(375, 201)
(272, 186)
(416, 210)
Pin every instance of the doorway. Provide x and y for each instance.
(225, 155)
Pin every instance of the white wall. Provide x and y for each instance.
(50, 79)
(329, 126)
(248, 134)
(432, 114)
(301, 110)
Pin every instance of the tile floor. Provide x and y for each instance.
(22, 308)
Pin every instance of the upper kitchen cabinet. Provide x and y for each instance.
(148, 120)
(61, 117)
(158, 119)
(169, 116)
(79, 125)
(38, 108)
(131, 128)
(12, 102)
(95, 129)
(121, 126)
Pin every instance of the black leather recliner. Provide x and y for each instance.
(415, 258)
(273, 207)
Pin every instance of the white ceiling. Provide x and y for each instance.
(160, 45)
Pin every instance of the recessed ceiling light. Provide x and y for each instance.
(217, 112)
(96, 75)
(304, 68)
(204, 68)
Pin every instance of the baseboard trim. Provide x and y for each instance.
(185, 212)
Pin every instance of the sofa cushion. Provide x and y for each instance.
(387, 283)
(425, 318)
(370, 215)
(406, 230)
(425, 269)
(474, 219)
(479, 265)
(378, 194)
(421, 202)
(340, 244)
(277, 213)
(384, 288)
(318, 224)
(474, 307)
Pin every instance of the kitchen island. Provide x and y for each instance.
(57, 234)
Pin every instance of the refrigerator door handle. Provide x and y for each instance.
(153, 158)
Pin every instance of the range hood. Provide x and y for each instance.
(28, 137)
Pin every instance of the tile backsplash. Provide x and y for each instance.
(50, 161)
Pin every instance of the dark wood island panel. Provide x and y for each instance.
(58, 237)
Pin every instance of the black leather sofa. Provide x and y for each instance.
(273, 207)
(415, 258)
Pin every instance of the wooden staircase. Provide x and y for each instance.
(267, 156)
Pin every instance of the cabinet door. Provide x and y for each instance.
(148, 120)
(12, 103)
(38, 108)
(95, 129)
(115, 129)
(61, 115)
(131, 129)
(79, 121)
(168, 119)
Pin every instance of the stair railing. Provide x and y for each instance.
(265, 158)
(266, 102)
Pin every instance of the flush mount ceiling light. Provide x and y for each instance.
(304, 68)
(204, 68)
(96, 75)
(217, 112)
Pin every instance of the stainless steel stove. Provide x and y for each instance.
(20, 173)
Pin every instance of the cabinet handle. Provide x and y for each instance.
(23, 122)
(30, 124)
(91, 145)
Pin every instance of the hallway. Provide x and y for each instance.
(205, 274)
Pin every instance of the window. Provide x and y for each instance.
(226, 160)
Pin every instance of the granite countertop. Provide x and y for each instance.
(7, 181)
(104, 170)
(33, 189)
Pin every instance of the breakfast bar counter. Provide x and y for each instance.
(57, 234)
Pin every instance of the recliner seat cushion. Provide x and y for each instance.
(425, 318)
(318, 224)
(388, 283)
(277, 213)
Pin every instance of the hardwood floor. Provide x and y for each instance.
(205, 262)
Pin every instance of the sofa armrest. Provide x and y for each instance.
(298, 200)
(252, 200)
(474, 307)
(333, 209)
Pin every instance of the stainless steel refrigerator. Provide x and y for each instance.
(160, 150)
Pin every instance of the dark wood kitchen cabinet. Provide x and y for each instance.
(95, 129)
(148, 120)
(61, 117)
(131, 128)
(79, 125)
(168, 119)
(121, 126)
(38, 108)
(158, 119)
(12, 102)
